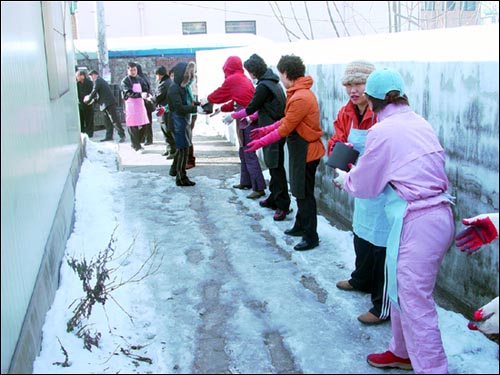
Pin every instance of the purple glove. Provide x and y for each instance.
(260, 132)
(240, 114)
(272, 137)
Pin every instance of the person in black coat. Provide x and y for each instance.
(84, 87)
(136, 116)
(268, 103)
(101, 92)
(147, 136)
(180, 113)
(160, 100)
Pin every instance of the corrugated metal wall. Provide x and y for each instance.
(40, 144)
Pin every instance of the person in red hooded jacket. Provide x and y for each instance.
(236, 93)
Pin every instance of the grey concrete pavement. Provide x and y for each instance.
(215, 156)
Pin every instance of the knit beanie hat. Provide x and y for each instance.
(357, 72)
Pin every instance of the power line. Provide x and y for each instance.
(238, 12)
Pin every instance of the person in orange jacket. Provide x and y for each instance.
(302, 128)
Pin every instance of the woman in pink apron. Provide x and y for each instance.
(134, 90)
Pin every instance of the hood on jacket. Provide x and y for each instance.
(232, 65)
(179, 69)
(270, 76)
(301, 83)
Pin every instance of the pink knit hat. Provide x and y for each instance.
(357, 72)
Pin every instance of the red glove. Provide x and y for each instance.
(486, 318)
(481, 230)
(260, 132)
(272, 137)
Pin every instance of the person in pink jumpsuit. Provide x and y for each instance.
(404, 160)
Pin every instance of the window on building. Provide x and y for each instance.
(249, 27)
(54, 32)
(428, 5)
(194, 28)
(468, 5)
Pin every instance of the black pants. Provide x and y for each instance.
(278, 185)
(306, 216)
(369, 274)
(87, 120)
(136, 133)
(113, 121)
(148, 129)
(191, 158)
(179, 163)
(169, 137)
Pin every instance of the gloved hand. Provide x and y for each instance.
(203, 101)
(339, 180)
(144, 95)
(254, 116)
(200, 110)
(486, 318)
(482, 229)
(331, 144)
(227, 119)
(260, 132)
(160, 111)
(240, 114)
(272, 137)
(86, 99)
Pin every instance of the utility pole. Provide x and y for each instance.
(102, 45)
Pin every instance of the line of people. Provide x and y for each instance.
(402, 221)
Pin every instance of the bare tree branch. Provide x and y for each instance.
(282, 21)
(309, 19)
(331, 19)
(341, 19)
(390, 17)
(297, 21)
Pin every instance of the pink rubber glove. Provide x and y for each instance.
(272, 137)
(260, 132)
(486, 318)
(240, 114)
(481, 230)
(254, 116)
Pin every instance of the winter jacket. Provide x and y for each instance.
(160, 96)
(177, 93)
(401, 149)
(347, 119)
(84, 88)
(102, 91)
(302, 116)
(126, 87)
(236, 88)
(269, 99)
